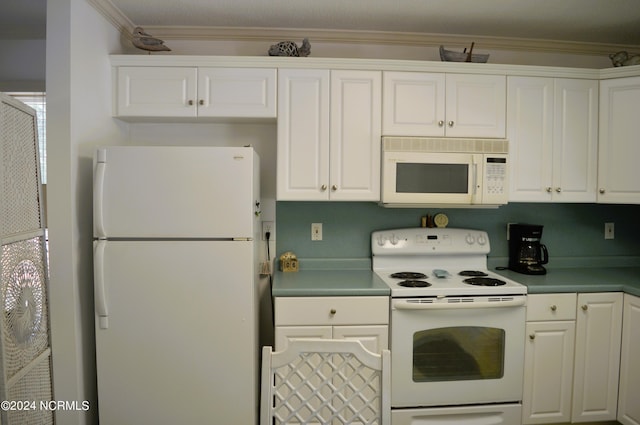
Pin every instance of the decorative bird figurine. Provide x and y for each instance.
(145, 41)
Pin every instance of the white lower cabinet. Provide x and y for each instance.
(597, 360)
(365, 319)
(548, 363)
(629, 396)
(572, 357)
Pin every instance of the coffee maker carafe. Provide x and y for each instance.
(526, 253)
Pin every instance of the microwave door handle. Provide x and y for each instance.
(474, 192)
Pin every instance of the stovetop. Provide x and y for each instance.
(437, 262)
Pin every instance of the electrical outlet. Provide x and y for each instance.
(269, 226)
(316, 231)
(609, 231)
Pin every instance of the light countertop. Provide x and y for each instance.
(353, 277)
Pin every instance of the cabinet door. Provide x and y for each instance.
(283, 334)
(548, 372)
(374, 338)
(156, 91)
(237, 92)
(475, 105)
(597, 360)
(413, 104)
(619, 150)
(628, 406)
(303, 135)
(530, 135)
(356, 105)
(575, 141)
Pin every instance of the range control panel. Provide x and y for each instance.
(425, 241)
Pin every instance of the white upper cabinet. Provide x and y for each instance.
(329, 135)
(303, 134)
(453, 105)
(356, 104)
(619, 150)
(181, 92)
(553, 139)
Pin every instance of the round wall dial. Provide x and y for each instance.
(441, 220)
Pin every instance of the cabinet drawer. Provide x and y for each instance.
(551, 307)
(304, 311)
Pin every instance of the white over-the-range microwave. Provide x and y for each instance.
(420, 171)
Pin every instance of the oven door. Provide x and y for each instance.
(453, 351)
(431, 178)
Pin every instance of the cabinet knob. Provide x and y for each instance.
(585, 307)
(549, 189)
(323, 187)
(440, 123)
(450, 123)
(558, 189)
(333, 311)
(601, 191)
(201, 102)
(334, 187)
(190, 102)
(554, 307)
(532, 336)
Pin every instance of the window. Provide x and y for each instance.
(38, 101)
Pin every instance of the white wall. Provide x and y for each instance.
(78, 108)
(539, 56)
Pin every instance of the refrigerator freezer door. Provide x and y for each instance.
(175, 192)
(181, 343)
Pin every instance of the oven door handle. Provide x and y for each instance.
(408, 305)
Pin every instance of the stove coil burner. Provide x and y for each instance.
(473, 273)
(484, 281)
(408, 275)
(412, 283)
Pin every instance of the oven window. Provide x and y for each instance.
(432, 178)
(458, 354)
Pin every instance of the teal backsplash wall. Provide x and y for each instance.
(570, 230)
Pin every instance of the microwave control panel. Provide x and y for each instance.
(495, 179)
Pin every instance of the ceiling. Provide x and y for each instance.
(612, 22)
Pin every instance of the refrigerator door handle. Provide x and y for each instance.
(98, 196)
(98, 282)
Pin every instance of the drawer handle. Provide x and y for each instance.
(554, 308)
(333, 311)
(585, 307)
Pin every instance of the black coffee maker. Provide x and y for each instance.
(526, 253)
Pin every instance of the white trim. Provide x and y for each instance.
(125, 25)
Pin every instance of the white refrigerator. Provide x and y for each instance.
(175, 280)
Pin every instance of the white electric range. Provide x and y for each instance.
(457, 329)
(437, 262)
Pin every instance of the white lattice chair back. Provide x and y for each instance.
(327, 382)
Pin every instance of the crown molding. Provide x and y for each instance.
(262, 34)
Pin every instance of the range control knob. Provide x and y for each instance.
(381, 240)
(470, 239)
(394, 240)
(482, 240)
